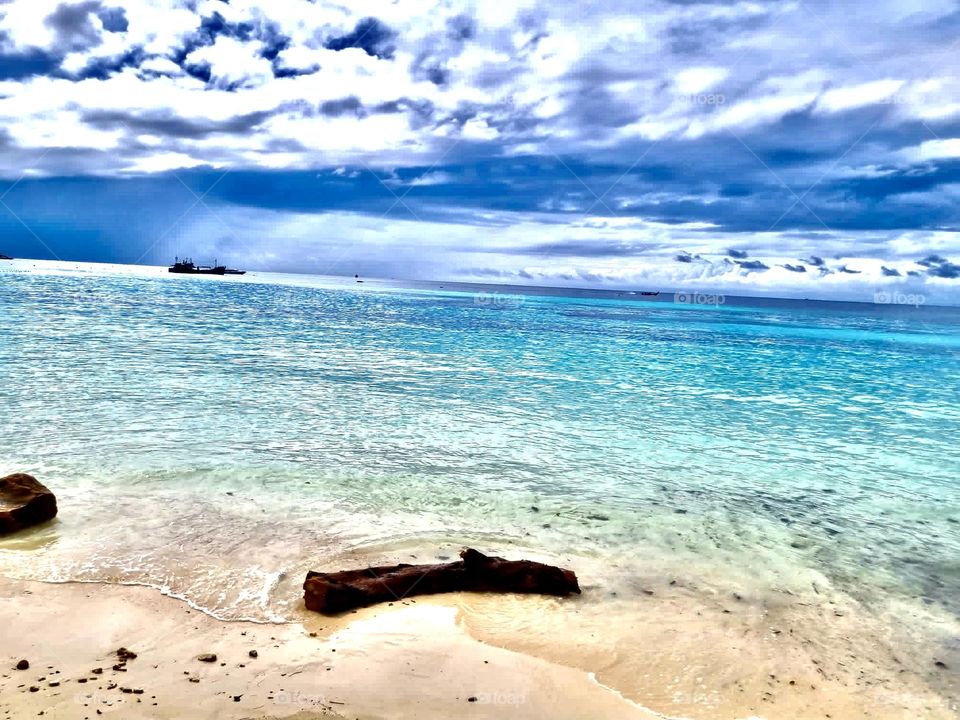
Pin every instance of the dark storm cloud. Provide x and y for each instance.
(73, 25)
(753, 265)
(584, 248)
(848, 271)
(461, 27)
(17, 66)
(795, 268)
(350, 105)
(113, 19)
(171, 125)
(737, 254)
(931, 260)
(890, 272)
(102, 67)
(815, 261)
(370, 35)
(947, 270)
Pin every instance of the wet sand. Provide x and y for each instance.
(676, 653)
(409, 659)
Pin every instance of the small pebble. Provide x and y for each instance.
(207, 657)
(252, 653)
(23, 665)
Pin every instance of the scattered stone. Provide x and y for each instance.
(207, 658)
(81, 680)
(97, 671)
(252, 653)
(24, 502)
(23, 665)
(125, 654)
(138, 691)
(940, 664)
(126, 691)
(34, 688)
(54, 683)
(471, 699)
(236, 698)
(119, 667)
(194, 679)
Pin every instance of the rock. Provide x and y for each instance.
(24, 502)
(207, 657)
(252, 653)
(34, 688)
(333, 593)
(23, 665)
(125, 654)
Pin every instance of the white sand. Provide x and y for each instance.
(409, 660)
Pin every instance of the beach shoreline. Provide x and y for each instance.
(381, 662)
(429, 656)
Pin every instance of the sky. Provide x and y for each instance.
(780, 147)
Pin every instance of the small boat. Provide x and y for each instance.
(649, 293)
(187, 267)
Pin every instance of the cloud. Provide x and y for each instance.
(370, 35)
(702, 127)
(945, 270)
(73, 25)
(890, 272)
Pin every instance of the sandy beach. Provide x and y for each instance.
(412, 659)
(451, 656)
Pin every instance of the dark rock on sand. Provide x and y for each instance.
(23, 665)
(252, 653)
(125, 654)
(207, 657)
(332, 593)
(24, 502)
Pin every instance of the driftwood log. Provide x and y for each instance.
(337, 592)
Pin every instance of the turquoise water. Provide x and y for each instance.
(217, 437)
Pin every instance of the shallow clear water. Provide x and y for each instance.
(217, 437)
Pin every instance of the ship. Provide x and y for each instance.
(648, 293)
(186, 266)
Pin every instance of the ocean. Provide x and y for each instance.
(217, 437)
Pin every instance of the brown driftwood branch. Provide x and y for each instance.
(332, 593)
